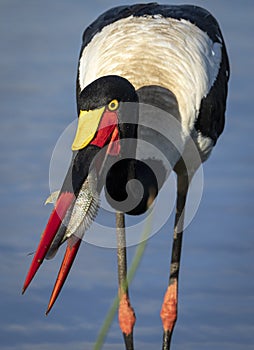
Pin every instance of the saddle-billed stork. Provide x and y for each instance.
(172, 59)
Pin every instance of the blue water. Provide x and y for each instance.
(39, 47)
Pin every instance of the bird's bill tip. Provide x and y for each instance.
(73, 245)
(23, 289)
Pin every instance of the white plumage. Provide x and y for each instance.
(149, 50)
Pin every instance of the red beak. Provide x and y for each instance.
(63, 203)
(107, 133)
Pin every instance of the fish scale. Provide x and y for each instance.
(85, 208)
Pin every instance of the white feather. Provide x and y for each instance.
(160, 51)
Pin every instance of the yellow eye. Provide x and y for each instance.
(113, 105)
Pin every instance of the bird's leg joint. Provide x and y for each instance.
(126, 314)
(169, 307)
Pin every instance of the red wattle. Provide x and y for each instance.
(108, 130)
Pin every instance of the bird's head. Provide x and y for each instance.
(108, 112)
(108, 116)
(106, 135)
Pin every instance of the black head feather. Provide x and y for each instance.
(105, 89)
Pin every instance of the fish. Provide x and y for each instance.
(79, 216)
